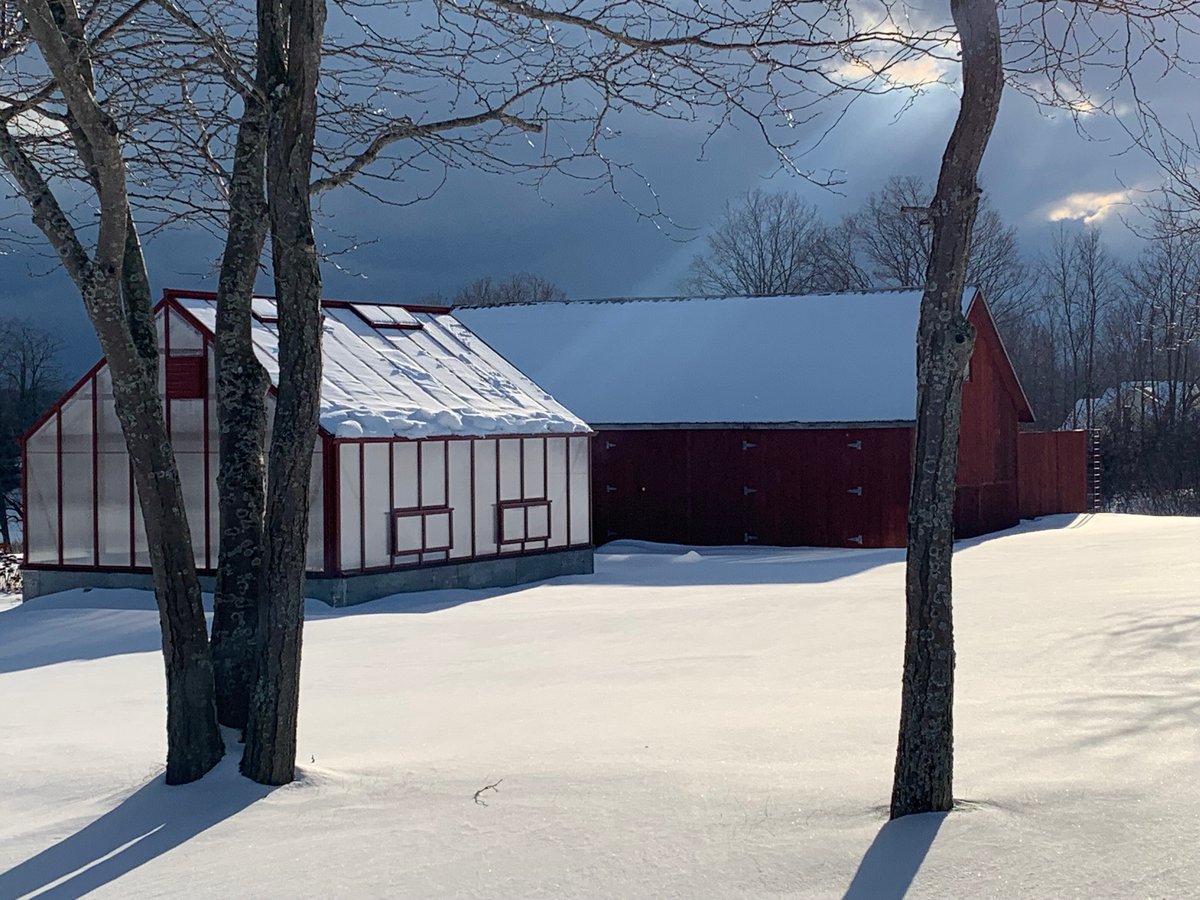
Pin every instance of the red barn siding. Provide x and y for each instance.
(799, 486)
(766, 486)
(1054, 472)
(987, 452)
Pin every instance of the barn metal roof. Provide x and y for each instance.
(405, 371)
(827, 358)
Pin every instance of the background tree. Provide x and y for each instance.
(29, 380)
(1079, 282)
(769, 244)
(519, 288)
(893, 235)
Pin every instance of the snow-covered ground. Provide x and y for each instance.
(683, 724)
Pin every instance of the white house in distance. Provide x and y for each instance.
(438, 464)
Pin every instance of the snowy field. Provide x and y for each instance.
(684, 724)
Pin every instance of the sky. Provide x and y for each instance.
(594, 243)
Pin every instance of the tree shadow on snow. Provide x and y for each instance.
(39, 634)
(1150, 688)
(894, 858)
(151, 821)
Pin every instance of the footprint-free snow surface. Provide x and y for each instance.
(689, 722)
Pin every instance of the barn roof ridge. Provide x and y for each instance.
(843, 357)
(684, 298)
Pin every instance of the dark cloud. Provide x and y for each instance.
(593, 243)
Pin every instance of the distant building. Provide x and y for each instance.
(437, 464)
(777, 420)
(1134, 404)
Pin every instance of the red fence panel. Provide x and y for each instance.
(1053, 472)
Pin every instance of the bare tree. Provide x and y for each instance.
(29, 378)
(1159, 318)
(290, 44)
(924, 774)
(768, 244)
(1079, 281)
(519, 288)
(892, 233)
(112, 280)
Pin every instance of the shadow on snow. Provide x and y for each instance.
(894, 858)
(94, 624)
(151, 821)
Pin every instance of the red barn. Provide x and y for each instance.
(772, 420)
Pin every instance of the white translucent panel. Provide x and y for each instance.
(141, 553)
(510, 469)
(350, 503)
(315, 552)
(408, 534)
(535, 468)
(187, 425)
(537, 523)
(191, 476)
(109, 436)
(77, 509)
(433, 473)
(404, 475)
(556, 489)
(580, 487)
(485, 496)
(410, 559)
(377, 505)
(512, 524)
(45, 439)
(385, 316)
(75, 417)
(264, 308)
(437, 530)
(436, 556)
(112, 473)
(184, 336)
(41, 508)
(459, 464)
(104, 381)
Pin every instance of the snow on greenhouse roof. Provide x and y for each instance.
(820, 358)
(417, 372)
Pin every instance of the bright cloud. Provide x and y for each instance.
(1089, 206)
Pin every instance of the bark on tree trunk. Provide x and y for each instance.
(293, 66)
(242, 416)
(116, 294)
(925, 753)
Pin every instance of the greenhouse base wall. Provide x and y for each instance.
(349, 590)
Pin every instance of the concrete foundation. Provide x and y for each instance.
(351, 589)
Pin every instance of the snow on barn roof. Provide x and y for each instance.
(391, 371)
(848, 357)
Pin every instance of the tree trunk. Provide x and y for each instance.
(115, 290)
(5, 533)
(925, 753)
(242, 416)
(293, 67)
